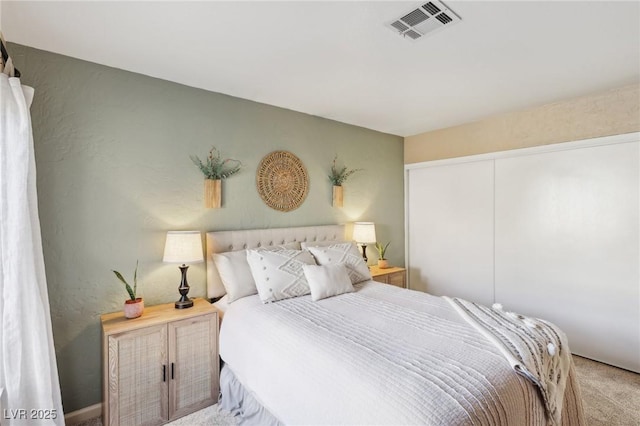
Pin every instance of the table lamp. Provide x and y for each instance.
(183, 247)
(364, 233)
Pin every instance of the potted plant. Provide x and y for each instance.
(337, 177)
(134, 306)
(215, 170)
(382, 260)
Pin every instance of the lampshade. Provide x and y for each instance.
(364, 232)
(183, 247)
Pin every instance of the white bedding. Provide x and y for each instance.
(379, 355)
(222, 304)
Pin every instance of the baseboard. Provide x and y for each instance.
(84, 414)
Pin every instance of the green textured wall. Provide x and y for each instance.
(112, 151)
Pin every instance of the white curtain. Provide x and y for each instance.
(29, 387)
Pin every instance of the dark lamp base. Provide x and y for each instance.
(364, 253)
(183, 289)
(184, 304)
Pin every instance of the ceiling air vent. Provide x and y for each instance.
(423, 20)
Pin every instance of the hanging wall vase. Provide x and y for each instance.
(338, 176)
(215, 169)
(213, 193)
(337, 195)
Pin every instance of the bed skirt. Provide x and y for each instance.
(241, 403)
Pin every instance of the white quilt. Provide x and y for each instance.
(380, 355)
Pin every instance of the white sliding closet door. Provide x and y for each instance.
(450, 230)
(567, 245)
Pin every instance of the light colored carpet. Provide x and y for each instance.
(208, 416)
(611, 397)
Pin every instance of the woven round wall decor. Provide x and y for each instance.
(282, 181)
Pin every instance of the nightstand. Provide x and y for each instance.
(160, 366)
(393, 275)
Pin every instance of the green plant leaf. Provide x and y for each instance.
(338, 177)
(135, 280)
(382, 250)
(215, 168)
(132, 294)
(120, 277)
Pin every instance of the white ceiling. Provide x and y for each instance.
(338, 59)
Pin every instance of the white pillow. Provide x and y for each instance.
(328, 280)
(346, 253)
(278, 273)
(235, 274)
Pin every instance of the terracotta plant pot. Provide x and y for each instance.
(133, 308)
(213, 193)
(383, 263)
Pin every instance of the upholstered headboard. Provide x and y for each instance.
(222, 241)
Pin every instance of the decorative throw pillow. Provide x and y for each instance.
(278, 274)
(328, 280)
(346, 253)
(235, 274)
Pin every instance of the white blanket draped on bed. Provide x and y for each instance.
(536, 349)
(380, 355)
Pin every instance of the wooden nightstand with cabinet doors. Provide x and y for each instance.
(393, 275)
(160, 366)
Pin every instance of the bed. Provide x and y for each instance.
(376, 355)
